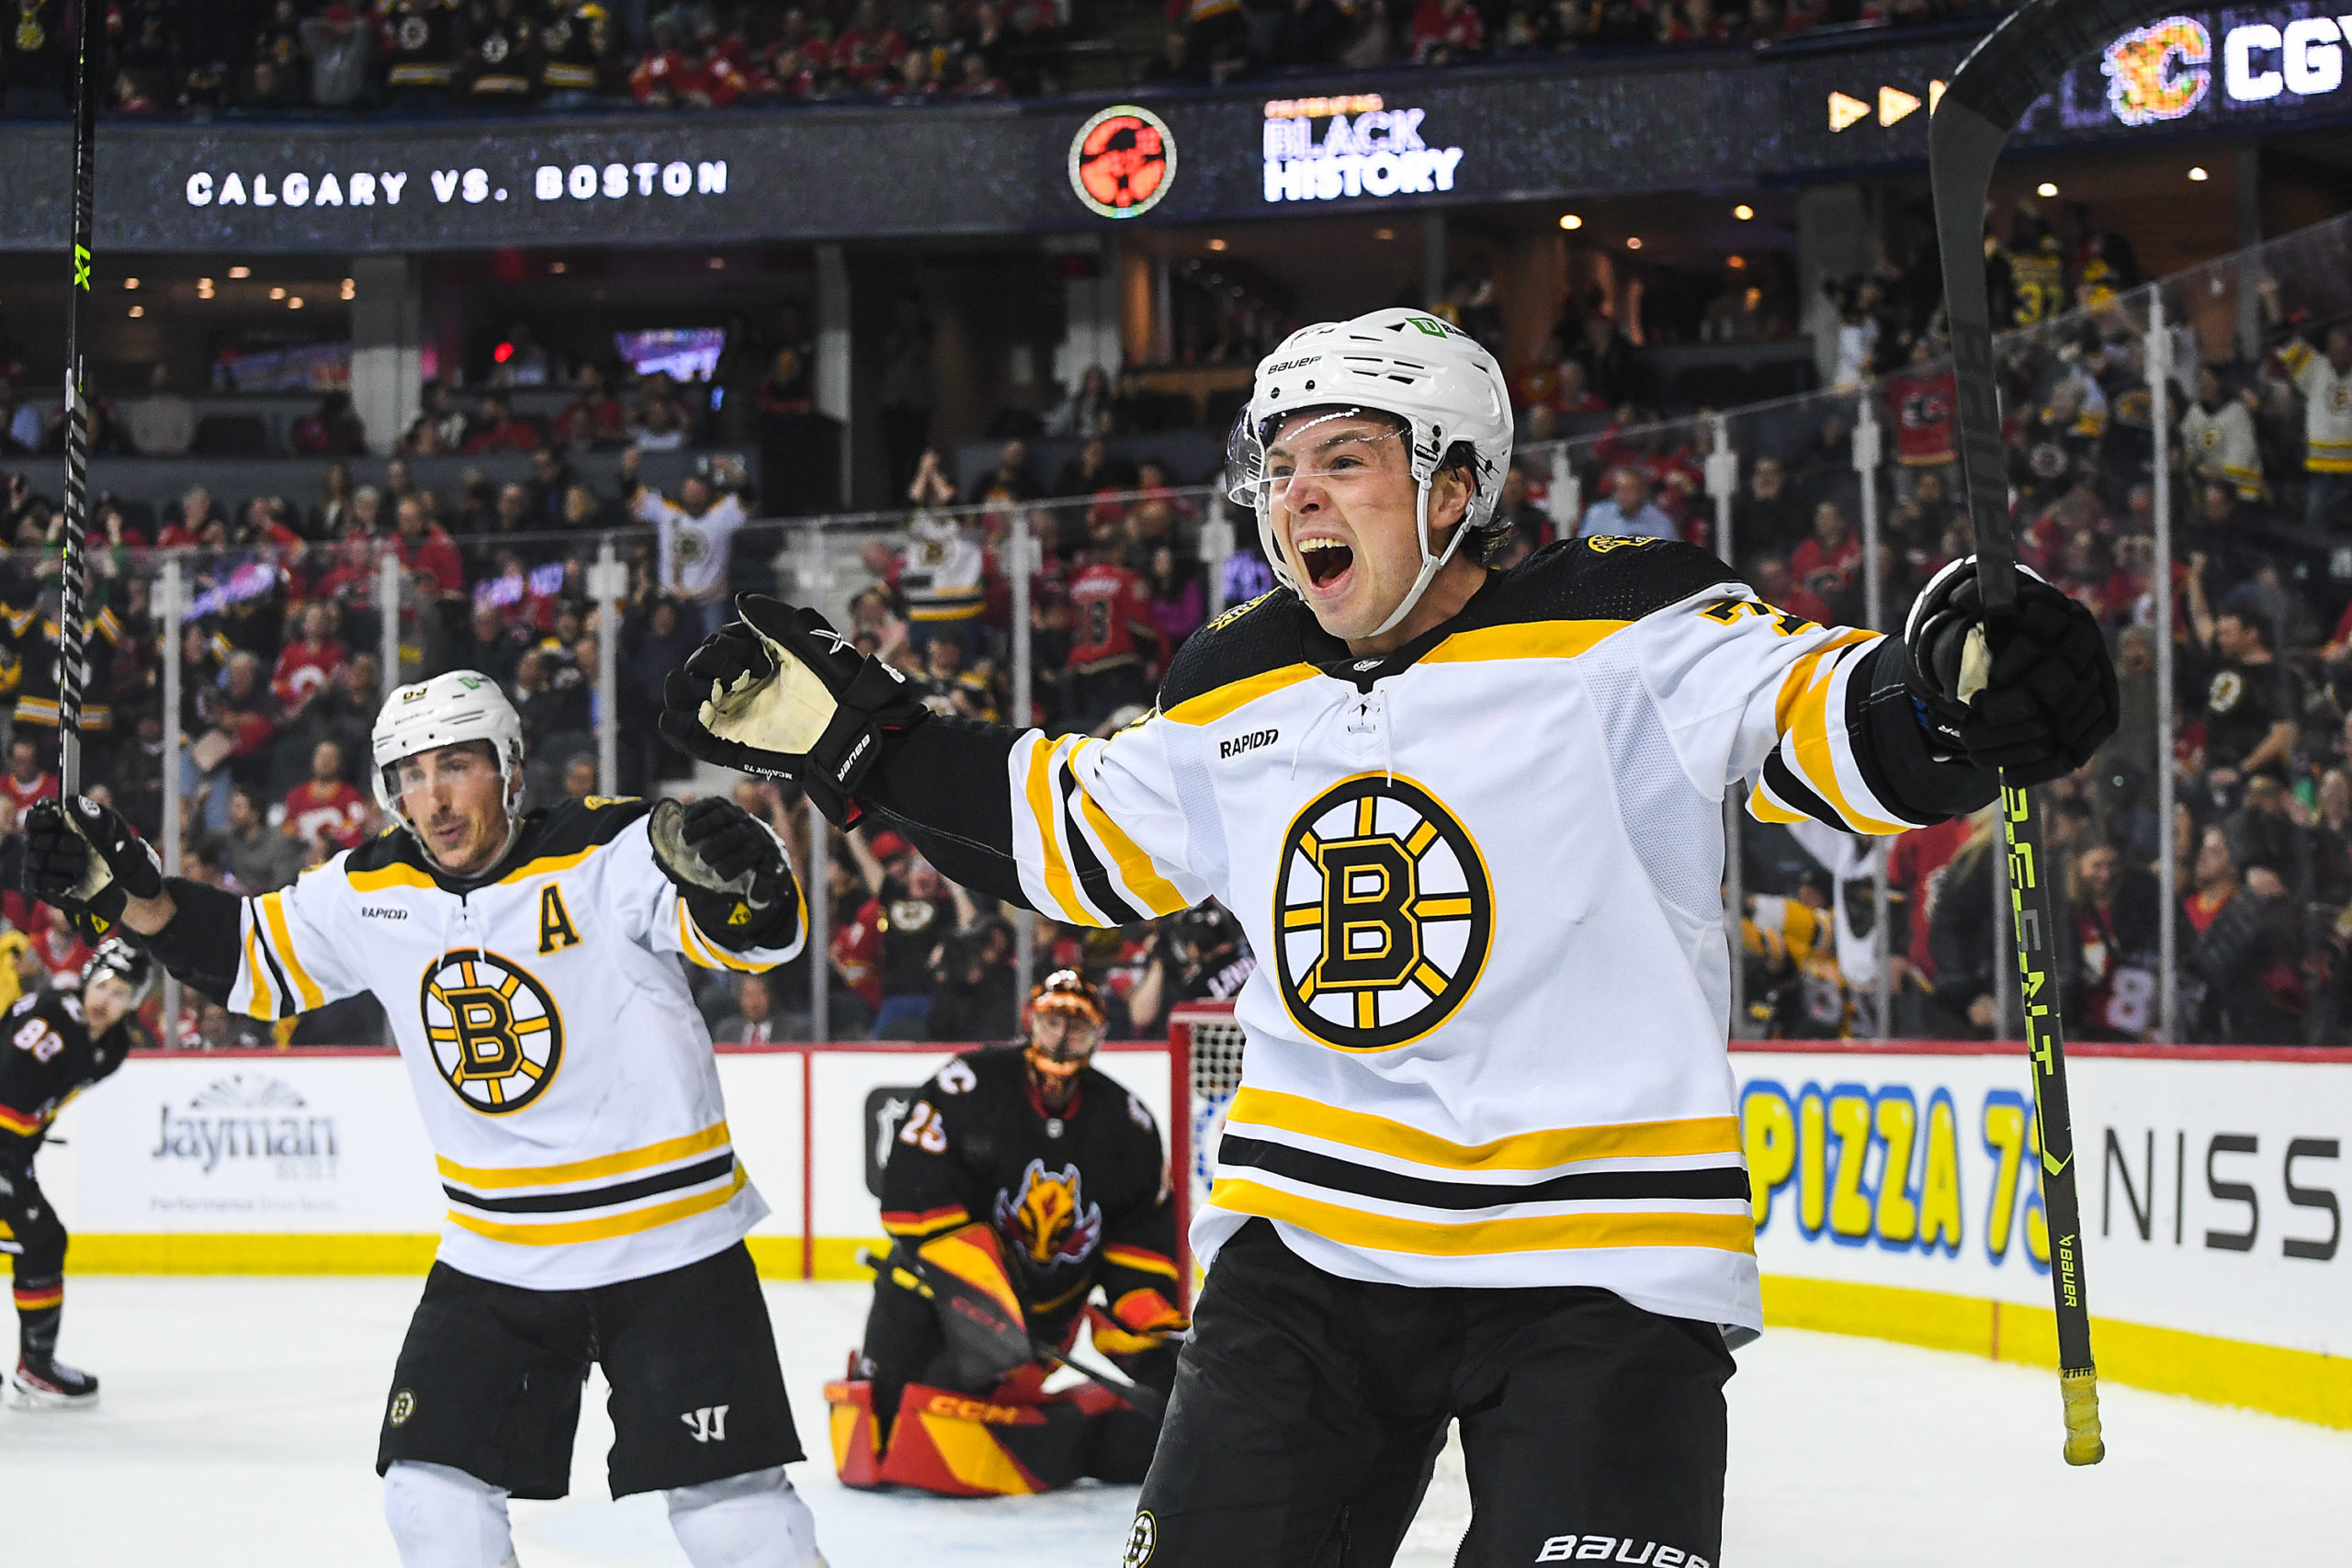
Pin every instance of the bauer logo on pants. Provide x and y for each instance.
(495, 1030)
(1383, 914)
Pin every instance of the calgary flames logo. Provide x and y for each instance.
(2159, 72)
(1121, 161)
(1049, 1219)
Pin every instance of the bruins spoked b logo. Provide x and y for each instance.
(495, 1030)
(1383, 911)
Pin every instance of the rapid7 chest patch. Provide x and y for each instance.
(1384, 912)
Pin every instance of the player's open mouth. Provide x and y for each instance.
(1325, 560)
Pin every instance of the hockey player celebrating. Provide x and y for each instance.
(64, 1041)
(1023, 1178)
(1484, 1163)
(597, 1205)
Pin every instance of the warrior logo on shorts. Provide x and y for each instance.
(1142, 1540)
(495, 1030)
(1383, 914)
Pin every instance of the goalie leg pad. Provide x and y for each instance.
(858, 1441)
(962, 1445)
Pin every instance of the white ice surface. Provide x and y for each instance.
(240, 1418)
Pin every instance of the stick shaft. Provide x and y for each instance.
(72, 614)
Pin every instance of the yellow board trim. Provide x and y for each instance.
(1519, 1151)
(2303, 1386)
(273, 905)
(1525, 640)
(606, 1227)
(1216, 704)
(1527, 1232)
(492, 1179)
(207, 1252)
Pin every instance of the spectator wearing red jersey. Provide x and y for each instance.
(1782, 592)
(309, 664)
(1915, 878)
(1111, 626)
(325, 806)
(688, 76)
(1924, 401)
(497, 430)
(1445, 32)
(60, 952)
(426, 550)
(1831, 561)
(28, 781)
(594, 417)
(868, 50)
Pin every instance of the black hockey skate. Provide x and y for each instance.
(46, 1383)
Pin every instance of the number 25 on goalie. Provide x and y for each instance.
(926, 1130)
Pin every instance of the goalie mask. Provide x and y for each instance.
(1439, 382)
(1066, 1025)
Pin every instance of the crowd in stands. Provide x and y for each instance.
(283, 678)
(2259, 472)
(1218, 41)
(201, 58)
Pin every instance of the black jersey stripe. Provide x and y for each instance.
(1800, 795)
(710, 1169)
(1368, 1181)
(1092, 876)
(288, 1001)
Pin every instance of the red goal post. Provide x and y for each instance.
(1205, 1068)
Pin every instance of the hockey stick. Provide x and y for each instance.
(78, 401)
(2023, 57)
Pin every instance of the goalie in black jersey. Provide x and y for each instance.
(1022, 1179)
(57, 1044)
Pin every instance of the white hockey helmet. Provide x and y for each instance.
(1409, 363)
(445, 711)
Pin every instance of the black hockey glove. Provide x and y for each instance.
(2037, 706)
(85, 859)
(731, 870)
(780, 694)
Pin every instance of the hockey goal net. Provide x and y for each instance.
(1205, 1063)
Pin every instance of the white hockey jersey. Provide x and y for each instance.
(1483, 876)
(565, 1077)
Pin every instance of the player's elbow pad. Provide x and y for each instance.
(1893, 747)
(200, 945)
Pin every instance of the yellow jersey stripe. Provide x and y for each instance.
(17, 1122)
(708, 953)
(1519, 1151)
(273, 905)
(1213, 705)
(263, 1001)
(490, 1178)
(1131, 860)
(567, 1233)
(1766, 806)
(1061, 886)
(1812, 757)
(1527, 639)
(410, 876)
(1474, 1239)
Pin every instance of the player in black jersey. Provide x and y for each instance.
(1022, 1179)
(57, 1044)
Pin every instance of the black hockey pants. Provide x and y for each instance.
(1309, 1410)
